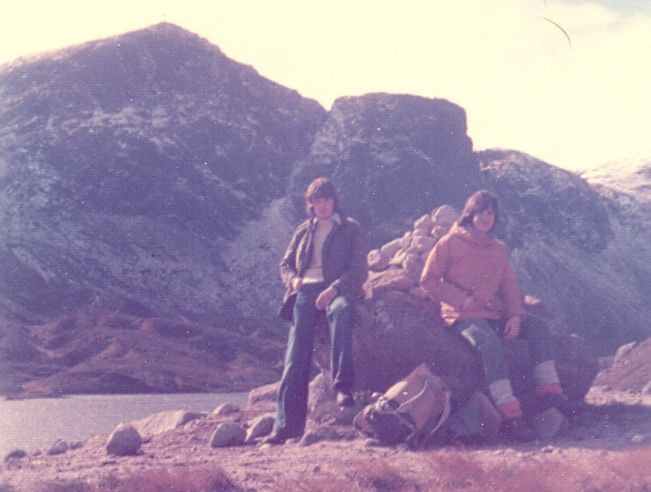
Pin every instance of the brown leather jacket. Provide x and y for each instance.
(343, 259)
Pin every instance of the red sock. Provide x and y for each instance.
(549, 389)
(510, 410)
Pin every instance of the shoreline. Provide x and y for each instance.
(599, 451)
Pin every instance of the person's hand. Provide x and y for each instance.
(325, 298)
(469, 303)
(296, 283)
(512, 327)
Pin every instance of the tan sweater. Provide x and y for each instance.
(462, 264)
(314, 272)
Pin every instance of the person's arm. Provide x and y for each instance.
(355, 275)
(512, 298)
(288, 273)
(433, 279)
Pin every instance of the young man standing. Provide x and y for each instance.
(323, 269)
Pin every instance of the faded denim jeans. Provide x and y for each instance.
(485, 338)
(293, 391)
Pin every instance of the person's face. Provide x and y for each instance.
(484, 221)
(323, 207)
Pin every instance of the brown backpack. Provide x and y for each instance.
(411, 411)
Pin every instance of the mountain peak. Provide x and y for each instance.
(158, 35)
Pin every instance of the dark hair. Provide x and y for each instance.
(478, 202)
(320, 188)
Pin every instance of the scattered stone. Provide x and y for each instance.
(226, 409)
(316, 469)
(638, 439)
(405, 240)
(262, 426)
(124, 441)
(549, 423)
(227, 434)
(373, 443)
(392, 279)
(445, 215)
(15, 454)
(439, 231)
(548, 449)
(424, 222)
(623, 351)
(423, 244)
(413, 265)
(164, 421)
(76, 444)
(320, 391)
(59, 447)
(377, 261)
(391, 248)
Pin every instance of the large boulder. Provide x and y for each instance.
(631, 371)
(390, 157)
(124, 441)
(396, 331)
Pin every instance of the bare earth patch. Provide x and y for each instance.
(608, 448)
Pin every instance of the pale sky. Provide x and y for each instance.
(574, 103)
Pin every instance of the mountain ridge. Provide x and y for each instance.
(169, 188)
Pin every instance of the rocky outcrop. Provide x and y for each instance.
(631, 177)
(631, 370)
(391, 156)
(584, 251)
(128, 163)
(166, 188)
(98, 351)
(398, 327)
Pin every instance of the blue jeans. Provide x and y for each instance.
(293, 391)
(484, 337)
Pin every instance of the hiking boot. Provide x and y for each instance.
(345, 398)
(518, 430)
(562, 403)
(276, 438)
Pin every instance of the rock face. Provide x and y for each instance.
(631, 371)
(632, 178)
(151, 177)
(95, 351)
(390, 157)
(398, 327)
(126, 165)
(395, 332)
(584, 251)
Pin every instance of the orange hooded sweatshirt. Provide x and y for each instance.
(463, 264)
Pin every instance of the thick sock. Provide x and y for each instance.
(501, 392)
(547, 382)
(549, 389)
(507, 404)
(545, 373)
(510, 410)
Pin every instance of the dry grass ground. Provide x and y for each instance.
(608, 449)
